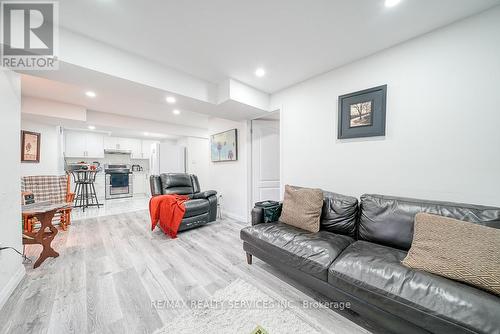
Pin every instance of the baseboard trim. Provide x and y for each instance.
(235, 217)
(11, 285)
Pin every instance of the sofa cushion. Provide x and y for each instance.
(458, 250)
(302, 208)
(389, 220)
(309, 252)
(375, 273)
(195, 207)
(339, 214)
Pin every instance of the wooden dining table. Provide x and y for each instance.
(44, 212)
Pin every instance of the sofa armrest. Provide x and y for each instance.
(257, 216)
(204, 194)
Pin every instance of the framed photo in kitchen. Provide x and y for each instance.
(30, 146)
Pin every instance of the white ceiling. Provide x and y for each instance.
(114, 95)
(126, 98)
(292, 39)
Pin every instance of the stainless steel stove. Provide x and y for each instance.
(119, 181)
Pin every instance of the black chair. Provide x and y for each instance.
(202, 206)
(84, 189)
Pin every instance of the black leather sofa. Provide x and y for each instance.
(202, 206)
(356, 257)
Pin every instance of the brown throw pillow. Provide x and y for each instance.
(302, 208)
(456, 249)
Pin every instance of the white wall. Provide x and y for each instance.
(11, 268)
(51, 158)
(230, 178)
(443, 117)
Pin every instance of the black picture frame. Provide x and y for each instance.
(375, 119)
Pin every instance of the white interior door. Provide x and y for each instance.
(265, 160)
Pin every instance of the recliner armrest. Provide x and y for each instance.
(155, 185)
(204, 194)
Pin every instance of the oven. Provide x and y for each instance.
(119, 181)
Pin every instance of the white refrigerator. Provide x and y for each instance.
(167, 158)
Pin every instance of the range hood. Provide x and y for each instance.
(115, 151)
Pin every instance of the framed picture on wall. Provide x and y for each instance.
(30, 146)
(362, 114)
(224, 146)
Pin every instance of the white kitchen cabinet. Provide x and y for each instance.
(147, 185)
(139, 183)
(74, 144)
(136, 148)
(125, 144)
(146, 148)
(95, 145)
(110, 143)
(79, 144)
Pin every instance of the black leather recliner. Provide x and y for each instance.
(202, 206)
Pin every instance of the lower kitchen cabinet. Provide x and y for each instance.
(140, 183)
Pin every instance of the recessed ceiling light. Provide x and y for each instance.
(146, 134)
(391, 3)
(90, 94)
(176, 112)
(91, 127)
(170, 99)
(260, 72)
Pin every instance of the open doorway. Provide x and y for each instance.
(265, 162)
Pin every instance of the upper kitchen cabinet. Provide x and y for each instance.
(146, 148)
(124, 144)
(110, 143)
(79, 144)
(95, 145)
(134, 145)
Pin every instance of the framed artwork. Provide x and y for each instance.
(224, 146)
(30, 146)
(362, 114)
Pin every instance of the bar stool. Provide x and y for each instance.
(86, 195)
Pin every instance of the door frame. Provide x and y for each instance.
(250, 183)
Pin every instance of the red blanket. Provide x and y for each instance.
(169, 211)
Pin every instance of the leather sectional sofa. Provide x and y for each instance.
(200, 209)
(356, 257)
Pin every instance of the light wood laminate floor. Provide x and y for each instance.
(111, 268)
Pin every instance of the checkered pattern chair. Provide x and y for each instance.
(52, 188)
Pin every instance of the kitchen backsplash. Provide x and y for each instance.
(114, 159)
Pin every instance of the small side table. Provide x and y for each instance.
(44, 212)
